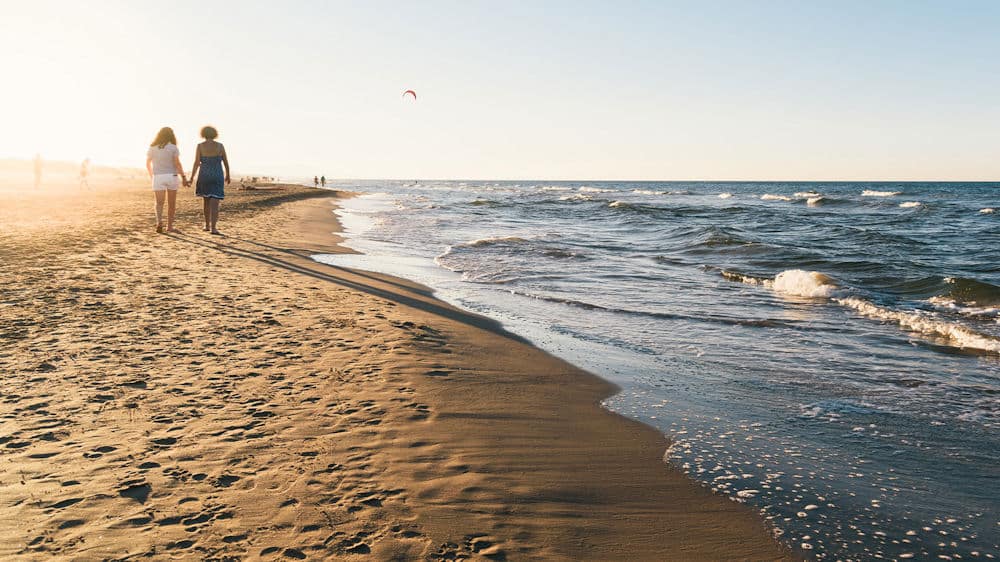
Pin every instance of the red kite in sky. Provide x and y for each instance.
(412, 93)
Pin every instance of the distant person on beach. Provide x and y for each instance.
(163, 162)
(210, 157)
(84, 172)
(315, 181)
(322, 181)
(38, 171)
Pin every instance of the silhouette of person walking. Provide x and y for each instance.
(315, 181)
(322, 181)
(210, 158)
(84, 172)
(163, 162)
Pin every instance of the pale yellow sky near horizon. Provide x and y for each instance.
(659, 91)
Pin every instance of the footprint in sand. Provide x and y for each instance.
(164, 442)
(225, 481)
(137, 490)
(65, 503)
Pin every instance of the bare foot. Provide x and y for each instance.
(217, 233)
(206, 229)
(159, 229)
(172, 229)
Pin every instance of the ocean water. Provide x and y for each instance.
(828, 353)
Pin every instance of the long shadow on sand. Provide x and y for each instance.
(307, 254)
(314, 270)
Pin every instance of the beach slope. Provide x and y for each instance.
(198, 397)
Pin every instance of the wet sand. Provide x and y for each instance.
(198, 397)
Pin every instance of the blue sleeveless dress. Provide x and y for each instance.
(211, 178)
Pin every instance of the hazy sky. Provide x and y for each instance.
(542, 89)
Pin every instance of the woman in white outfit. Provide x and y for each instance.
(163, 161)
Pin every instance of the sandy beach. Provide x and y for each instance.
(210, 398)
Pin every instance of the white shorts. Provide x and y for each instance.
(166, 182)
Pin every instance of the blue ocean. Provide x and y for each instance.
(827, 353)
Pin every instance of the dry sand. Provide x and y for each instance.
(198, 397)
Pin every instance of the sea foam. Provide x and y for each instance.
(771, 197)
(910, 204)
(921, 323)
(873, 193)
(813, 284)
(965, 309)
(791, 282)
(801, 283)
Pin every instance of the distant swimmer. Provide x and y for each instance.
(322, 181)
(38, 171)
(84, 173)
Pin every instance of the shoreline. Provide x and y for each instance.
(598, 387)
(287, 408)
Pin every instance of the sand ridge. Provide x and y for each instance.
(196, 397)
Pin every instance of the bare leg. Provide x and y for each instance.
(160, 196)
(206, 210)
(214, 208)
(171, 209)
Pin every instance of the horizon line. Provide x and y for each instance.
(98, 164)
(671, 180)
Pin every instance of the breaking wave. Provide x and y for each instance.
(813, 284)
(920, 322)
(874, 193)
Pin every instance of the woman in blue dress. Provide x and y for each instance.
(210, 158)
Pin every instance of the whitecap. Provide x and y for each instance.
(791, 282)
(748, 279)
(965, 309)
(770, 197)
(801, 283)
(987, 211)
(725, 195)
(649, 192)
(925, 324)
(815, 201)
(806, 194)
(910, 204)
(873, 193)
(596, 190)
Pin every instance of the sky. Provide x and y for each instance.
(743, 90)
